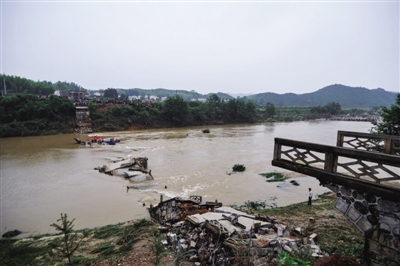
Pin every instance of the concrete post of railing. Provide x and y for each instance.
(330, 162)
(395, 147)
(339, 139)
(277, 150)
(388, 148)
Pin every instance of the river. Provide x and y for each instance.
(44, 176)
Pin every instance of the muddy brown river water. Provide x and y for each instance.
(42, 177)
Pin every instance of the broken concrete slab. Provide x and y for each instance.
(136, 176)
(125, 163)
(219, 233)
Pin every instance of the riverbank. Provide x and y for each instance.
(129, 243)
(58, 115)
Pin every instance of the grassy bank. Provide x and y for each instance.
(129, 243)
(336, 235)
(106, 244)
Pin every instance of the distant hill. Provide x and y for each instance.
(347, 97)
(221, 95)
(350, 97)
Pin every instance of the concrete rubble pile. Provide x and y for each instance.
(224, 236)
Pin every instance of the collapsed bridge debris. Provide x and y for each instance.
(177, 209)
(137, 168)
(221, 235)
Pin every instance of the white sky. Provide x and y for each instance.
(235, 47)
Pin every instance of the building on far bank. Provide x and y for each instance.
(134, 97)
(77, 95)
(153, 98)
(203, 100)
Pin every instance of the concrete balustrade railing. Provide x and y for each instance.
(371, 171)
(388, 144)
(367, 184)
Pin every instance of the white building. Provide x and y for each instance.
(153, 98)
(134, 98)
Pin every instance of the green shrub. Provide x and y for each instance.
(284, 258)
(69, 242)
(278, 177)
(304, 256)
(254, 205)
(238, 168)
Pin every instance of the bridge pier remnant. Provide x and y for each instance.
(83, 119)
(377, 217)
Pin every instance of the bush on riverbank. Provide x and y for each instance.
(29, 115)
(39, 127)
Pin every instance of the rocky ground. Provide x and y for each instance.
(130, 243)
(334, 234)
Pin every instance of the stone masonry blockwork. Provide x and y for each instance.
(377, 218)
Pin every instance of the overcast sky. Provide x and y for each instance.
(232, 47)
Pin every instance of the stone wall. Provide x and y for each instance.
(377, 217)
(83, 119)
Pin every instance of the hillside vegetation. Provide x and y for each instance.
(30, 115)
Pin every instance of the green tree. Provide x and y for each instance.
(270, 110)
(111, 93)
(390, 124)
(197, 112)
(123, 97)
(250, 111)
(233, 110)
(332, 108)
(176, 110)
(69, 244)
(214, 107)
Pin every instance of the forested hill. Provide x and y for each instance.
(354, 97)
